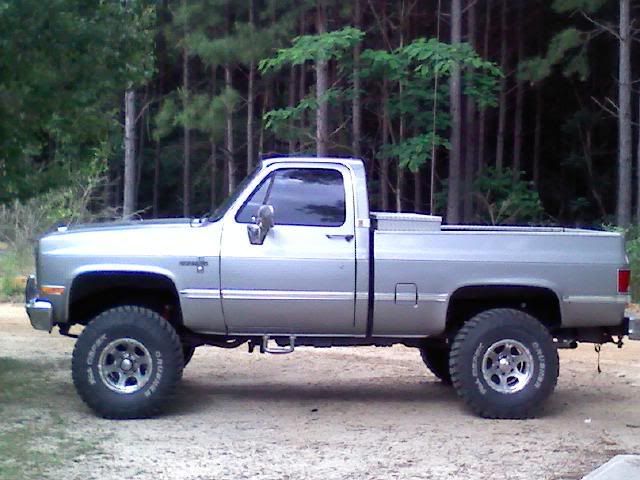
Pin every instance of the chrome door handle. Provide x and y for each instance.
(348, 237)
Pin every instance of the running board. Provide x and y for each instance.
(276, 350)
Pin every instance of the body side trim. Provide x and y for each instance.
(597, 299)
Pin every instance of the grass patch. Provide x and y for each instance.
(15, 265)
(34, 437)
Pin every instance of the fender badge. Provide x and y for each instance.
(199, 264)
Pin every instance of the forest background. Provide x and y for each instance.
(482, 111)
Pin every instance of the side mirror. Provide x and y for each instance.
(264, 223)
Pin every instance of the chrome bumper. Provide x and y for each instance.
(40, 314)
(40, 311)
(633, 328)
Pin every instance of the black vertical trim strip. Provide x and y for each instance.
(372, 228)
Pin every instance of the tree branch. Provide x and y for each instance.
(601, 25)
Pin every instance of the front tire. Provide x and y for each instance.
(127, 362)
(504, 364)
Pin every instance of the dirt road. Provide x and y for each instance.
(370, 413)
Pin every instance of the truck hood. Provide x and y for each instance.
(135, 239)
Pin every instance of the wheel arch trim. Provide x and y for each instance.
(117, 269)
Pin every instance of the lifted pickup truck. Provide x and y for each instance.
(294, 257)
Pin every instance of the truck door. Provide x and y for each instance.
(301, 280)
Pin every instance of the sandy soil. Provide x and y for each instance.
(373, 413)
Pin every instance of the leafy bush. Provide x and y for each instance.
(505, 198)
(632, 236)
(14, 266)
(23, 222)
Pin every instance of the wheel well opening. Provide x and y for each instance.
(542, 303)
(95, 292)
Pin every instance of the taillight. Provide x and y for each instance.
(624, 280)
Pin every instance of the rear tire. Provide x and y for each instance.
(127, 362)
(504, 364)
(187, 353)
(436, 358)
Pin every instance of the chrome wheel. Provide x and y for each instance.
(125, 365)
(507, 366)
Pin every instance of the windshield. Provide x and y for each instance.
(219, 212)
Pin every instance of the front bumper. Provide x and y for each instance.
(40, 312)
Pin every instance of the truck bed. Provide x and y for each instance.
(421, 265)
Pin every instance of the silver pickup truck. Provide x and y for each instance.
(295, 258)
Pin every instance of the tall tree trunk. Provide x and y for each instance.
(399, 187)
(186, 173)
(482, 129)
(384, 162)
(161, 49)
(251, 98)
(417, 191)
(357, 99)
(156, 178)
(128, 204)
(502, 113)
(400, 173)
(638, 162)
(455, 87)
(471, 127)
(322, 84)
(434, 109)
(302, 92)
(265, 108)
(292, 102)
(537, 137)
(213, 155)
(250, 118)
(623, 211)
(228, 143)
(517, 123)
(139, 152)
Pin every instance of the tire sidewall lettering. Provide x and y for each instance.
(158, 371)
(540, 365)
(476, 367)
(91, 356)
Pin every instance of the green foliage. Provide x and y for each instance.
(203, 112)
(314, 48)
(65, 64)
(633, 252)
(278, 119)
(410, 69)
(567, 48)
(632, 247)
(414, 151)
(501, 200)
(23, 221)
(415, 68)
(15, 265)
(565, 6)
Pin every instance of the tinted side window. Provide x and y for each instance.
(313, 197)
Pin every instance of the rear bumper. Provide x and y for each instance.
(633, 328)
(40, 312)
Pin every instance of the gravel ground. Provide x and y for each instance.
(370, 413)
